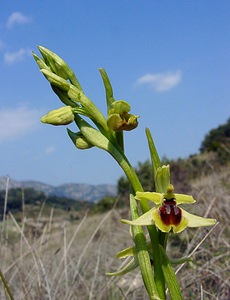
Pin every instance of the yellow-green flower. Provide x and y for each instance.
(119, 118)
(167, 214)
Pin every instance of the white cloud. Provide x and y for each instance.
(49, 150)
(161, 82)
(17, 122)
(14, 57)
(17, 18)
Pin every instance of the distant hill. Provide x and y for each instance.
(76, 191)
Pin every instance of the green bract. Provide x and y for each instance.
(79, 140)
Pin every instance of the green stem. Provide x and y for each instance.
(139, 238)
(142, 253)
(156, 236)
(120, 140)
(158, 273)
(163, 238)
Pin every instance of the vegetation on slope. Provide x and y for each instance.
(18, 198)
(68, 260)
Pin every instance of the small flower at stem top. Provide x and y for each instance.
(167, 214)
(119, 118)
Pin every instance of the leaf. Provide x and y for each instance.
(156, 163)
(131, 265)
(108, 88)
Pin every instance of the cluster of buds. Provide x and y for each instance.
(77, 105)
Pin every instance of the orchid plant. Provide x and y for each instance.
(149, 254)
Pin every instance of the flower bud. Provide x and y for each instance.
(119, 119)
(61, 116)
(58, 66)
(119, 107)
(162, 179)
(79, 140)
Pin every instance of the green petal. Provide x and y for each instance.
(144, 220)
(182, 198)
(196, 221)
(151, 196)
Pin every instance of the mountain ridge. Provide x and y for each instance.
(76, 191)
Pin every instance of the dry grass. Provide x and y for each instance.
(52, 258)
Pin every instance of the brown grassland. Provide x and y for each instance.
(45, 255)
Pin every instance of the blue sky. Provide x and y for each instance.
(169, 59)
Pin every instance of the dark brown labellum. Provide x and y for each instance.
(170, 213)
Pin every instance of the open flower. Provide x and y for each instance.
(167, 214)
(119, 118)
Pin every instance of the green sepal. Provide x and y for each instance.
(144, 220)
(151, 196)
(197, 221)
